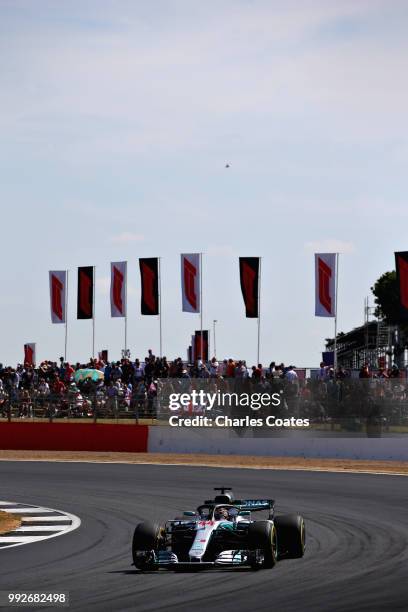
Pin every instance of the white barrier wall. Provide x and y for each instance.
(226, 442)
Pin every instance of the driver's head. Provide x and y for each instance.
(222, 513)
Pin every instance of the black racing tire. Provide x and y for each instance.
(291, 536)
(262, 536)
(146, 537)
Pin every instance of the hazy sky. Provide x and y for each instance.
(117, 119)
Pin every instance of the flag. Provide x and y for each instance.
(85, 292)
(197, 345)
(118, 288)
(249, 277)
(325, 284)
(328, 358)
(149, 278)
(58, 295)
(190, 282)
(401, 265)
(29, 354)
(103, 355)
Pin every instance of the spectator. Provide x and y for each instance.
(214, 365)
(395, 373)
(230, 371)
(112, 401)
(322, 371)
(291, 374)
(222, 368)
(68, 373)
(364, 371)
(257, 372)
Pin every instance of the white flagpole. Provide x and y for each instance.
(160, 311)
(93, 314)
(66, 318)
(335, 314)
(201, 306)
(126, 311)
(259, 310)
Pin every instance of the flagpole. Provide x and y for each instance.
(201, 307)
(335, 314)
(126, 311)
(93, 314)
(160, 311)
(66, 320)
(259, 310)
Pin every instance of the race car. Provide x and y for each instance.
(220, 533)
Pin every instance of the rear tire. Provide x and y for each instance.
(262, 536)
(146, 537)
(291, 536)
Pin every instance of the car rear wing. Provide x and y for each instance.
(255, 505)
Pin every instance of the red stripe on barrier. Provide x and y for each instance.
(74, 437)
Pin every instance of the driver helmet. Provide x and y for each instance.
(221, 513)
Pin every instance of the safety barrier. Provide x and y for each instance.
(74, 437)
(226, 442)
(66, 436)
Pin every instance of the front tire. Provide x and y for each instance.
(291, 536)
(263, 536)
(146, 538)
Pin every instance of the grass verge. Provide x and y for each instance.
(8, 522)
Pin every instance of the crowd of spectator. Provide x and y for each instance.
(126, 386)
(130, 387)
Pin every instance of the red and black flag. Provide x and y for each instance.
(149, 278)
(58, 295)
(198, 351)
(249, 276)
(401, 264)
(85, 292)
(29, 354)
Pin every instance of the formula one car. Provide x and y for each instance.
(220, 533)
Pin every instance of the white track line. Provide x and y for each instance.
(20, 539)
(31, 510)
(52, 526)
(48, 519)
(33, 528)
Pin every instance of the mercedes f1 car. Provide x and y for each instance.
(220, 533)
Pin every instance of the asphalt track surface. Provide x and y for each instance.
(357, 539)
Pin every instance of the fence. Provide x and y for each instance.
(91, 406)
(348, 404)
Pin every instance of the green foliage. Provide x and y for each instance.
(386, 298)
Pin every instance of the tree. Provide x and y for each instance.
(386, 298)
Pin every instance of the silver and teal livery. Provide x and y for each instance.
(221, 533)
